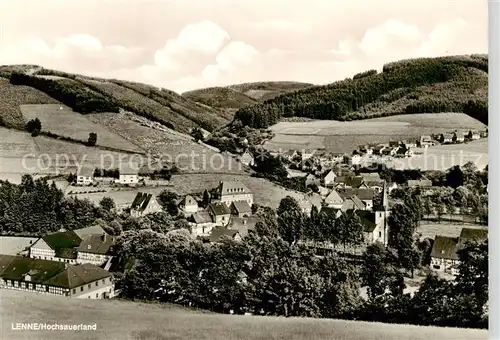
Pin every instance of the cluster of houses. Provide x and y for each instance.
(85, 177)
(69, 263)
(444, 254)
(457, 137)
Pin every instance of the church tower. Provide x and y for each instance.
(382, 211)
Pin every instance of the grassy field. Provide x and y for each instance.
(65, 122)
(12, 96)
(431, 229)
(15, 143)
(339, 136)
(121, 320)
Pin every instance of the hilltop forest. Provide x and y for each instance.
(425, 85)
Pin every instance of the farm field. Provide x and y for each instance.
(161, 322)
(15, 143)
(169, 145)
(68, 123)
(442, 157)
(337, 136)
(431, 229)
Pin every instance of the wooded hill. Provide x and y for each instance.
(424, 85)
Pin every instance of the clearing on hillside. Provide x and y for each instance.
(337, 136)
(162, 322)
(63, 121)
(431, 229)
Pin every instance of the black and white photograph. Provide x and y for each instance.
(233, 169)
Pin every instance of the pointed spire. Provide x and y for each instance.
(385, 198)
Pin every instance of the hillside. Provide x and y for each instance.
(425, 85)
(25, 84)
(234, 97)
(139, 321)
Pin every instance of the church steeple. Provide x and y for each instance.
(385, 198)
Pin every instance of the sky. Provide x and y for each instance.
(189, 44)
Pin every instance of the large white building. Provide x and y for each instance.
(85, 176)
(83, 281)
(233, 191)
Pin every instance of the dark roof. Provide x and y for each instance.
(243, 224)
(354, 182)
(371, 176)
(77, 275)
(141, 201)
(358, 203)
(202, 217)
(232, 187)
(242, 207)
(15, 267)
(61, 241)
(218, 233)
(219, 208)
(362, 193)
(97, 244)
(367, 219)
(445, 247)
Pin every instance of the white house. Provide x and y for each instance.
(329, 179)
(247, 159)
(85, 176)
(128, 176)
(144, 204)
(232, 191)
(189, 205)
(220, 213)
(334, 200)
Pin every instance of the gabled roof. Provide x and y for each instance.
(354, 181)
(97, 244)
(218, 233)
(188, 200)
(334, 198)
(84, 232)
(243, 224)
(16, 267)
(77, 275)
(219, 208)
(232, 187)
(141, 201)
(63, 242)
(367, 219)
(330, 174)
(445, 247)
(472, 234)
(202, 217)
(242, 207)
(362, 193)
(358, 203)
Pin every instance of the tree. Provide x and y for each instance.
(34, 125)
(197, 134)
(92, 140)
(292, 224)
(169, 201)
(107, 204)
(455, 177)
(288, 204)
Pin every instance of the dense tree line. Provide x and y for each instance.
(347, 99)
(70, 93)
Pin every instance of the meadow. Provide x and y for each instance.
(339, 136)
(139, 321)
(65, 122)
(431, 229)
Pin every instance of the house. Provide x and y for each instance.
(365, 195)
(352, 203)
(444, 255)
(95, 249)
(59, 246)
(244, 225)
(446, 138)
(458, 137)
(350, 182)
(247, 159)
(375, 185)
(85, 176)
(201, 223)
(311, 179)
(329, 179)
(473, 135)
(128, 176)
(484, 134)
(377, 150)
(241, 209)
(219, 233)
(306, 154)
(323, 192)
(231, 191)
(144, 204)
(188, 205)
(220, 213)
(394, 143)
(390, 151)
(334, 200)
(425, 141)
(354, 159)
(82, 281)
(421, 183)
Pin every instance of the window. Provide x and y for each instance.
(89, 286)
(46, 288)
(97, 295)
(379, 234)
(74, 291)
(81, 289)
(97, 283)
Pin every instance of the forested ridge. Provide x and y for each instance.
(444, 84)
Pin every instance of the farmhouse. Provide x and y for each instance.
(95, 249)
(128, 176)
(365, 195)
(188, 205)
(220, 213)
(446, 138)
(83, 281)
(59, 246)
(329, 179)
(473, 135)
(444, 255)
(201, 223)
(241, 209)
(334, 200)
(458, 137)
(144, 204)
(425, 141)
(232, 191)
(85, 176)
(247, 159)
